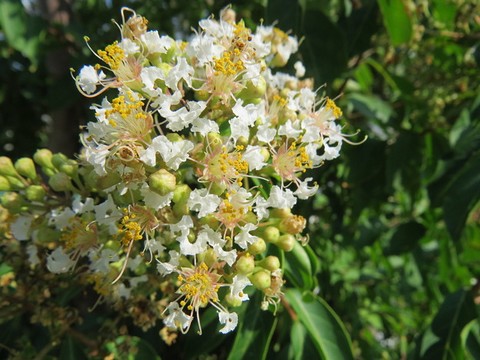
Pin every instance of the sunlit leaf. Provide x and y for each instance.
(397, 19)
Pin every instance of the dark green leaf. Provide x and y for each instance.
(298, 268)
(254, 333)
(322, 324)
(405, 238)
(71, 350)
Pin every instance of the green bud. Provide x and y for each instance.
(214, 139)
(209, 220)
(181, 193)
(4, 184)
(12, 201)
(217, 189)
(60, 182)
(208, 257)
(280, 213)
(69, 167)
(35, 193)
(245, 264)
(26, 167)
(271, 234)
(162, 182)
(113, 245)
(180, 209)
(58, 160)
(43, 157)
(15, 183)
(286, 242)
(6, 167)
(174, 137)
(261, 279)
(257, 247)
(270, 263)
(46, 234)
(233, 301)
(252, 91)
(265, 153)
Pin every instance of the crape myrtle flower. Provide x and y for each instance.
(189, 173)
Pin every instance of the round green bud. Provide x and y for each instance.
(35, 193)
(180, 208)
(43, 157)
(60, 182)
(261, 279)
(26, 167)
(253, 91)
(181, 193)
(69, 167)
(109, 180)
(245, 264)
(58, 160)
(271, 234)
(265, 153)
(233, 301)
(6, 167)
(209, 220)
(286, 242)
(257, 247)
(280, 213)
(113, 245)
(209, 257)
(201, 95)
(162, 182)
(217, 189)
(174, 137)
(12, 201)
(4, 184)
(270, 263)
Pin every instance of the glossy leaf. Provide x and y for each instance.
(254, 333)
(298, 267)
(322, 324)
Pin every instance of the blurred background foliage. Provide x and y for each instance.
(392, 269)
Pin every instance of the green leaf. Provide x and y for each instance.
(462, 196)
(397, 20)
(443, 339)
(254, 333)
(139, 349)
(405, 238)
(5, 269)
(298, 267)
(322, 324)
(22, 32)
(445, 11)
(71, 350)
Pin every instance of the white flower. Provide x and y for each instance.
(129, 46)
(244, 238)
(155, 43)
(89, 78)
(20, 228)
(304, 191)
(281, 198)
(177, 318)
(173, 153)
(107, 213)
(204, 126)
(59, 262)
(183, 117)
(60, 218)
(254, 157)
(32, 252)
(165, 268)
(290, 129)
(80, 208)
(154, 200)
(203, 202)
(260, 208)
(265, 133)
(228, 256)
(239, 283)
(299, 69)
(100, 260)
(229, 319)
(180, 71)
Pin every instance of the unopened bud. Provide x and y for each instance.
(293, 224)
(46, 234)
(43, 157)
(15, 183)
(181, 208)
(6, 167)
(280, 213)
(174, 137)
(162, 182)
(245, 264)
(104, 182)
(271, 234)
(261, 279)
(58, 160)
(233, 301)
(257, 247)
(4, 184)
(60, 182)
(12, 201)
(209, 257)
(286, 242)
(26, 167)
(35, 193)
(270, 263)
(181, 193)
(69, 167)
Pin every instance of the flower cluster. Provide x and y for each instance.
(195, 160)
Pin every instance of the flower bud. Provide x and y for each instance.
(280, 213)
(6, 167)
(162, 182)
(174, 137)
(181, 193)
(245, 264)
(270, 234)
(270, 263)
(35, 193)
(209, 220)
(69, 167)
(257, 247)
(46, 234)
(293, 224)
(4, 184)
(12, 201)
(15, 183)
(58, 160)
(233, 301)
(43, 157)
(253, 91)
(181, 208)
(261, 279)
(60, 182)
(104, 182)
(286, 242)
(26, 168)
(209, 257)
